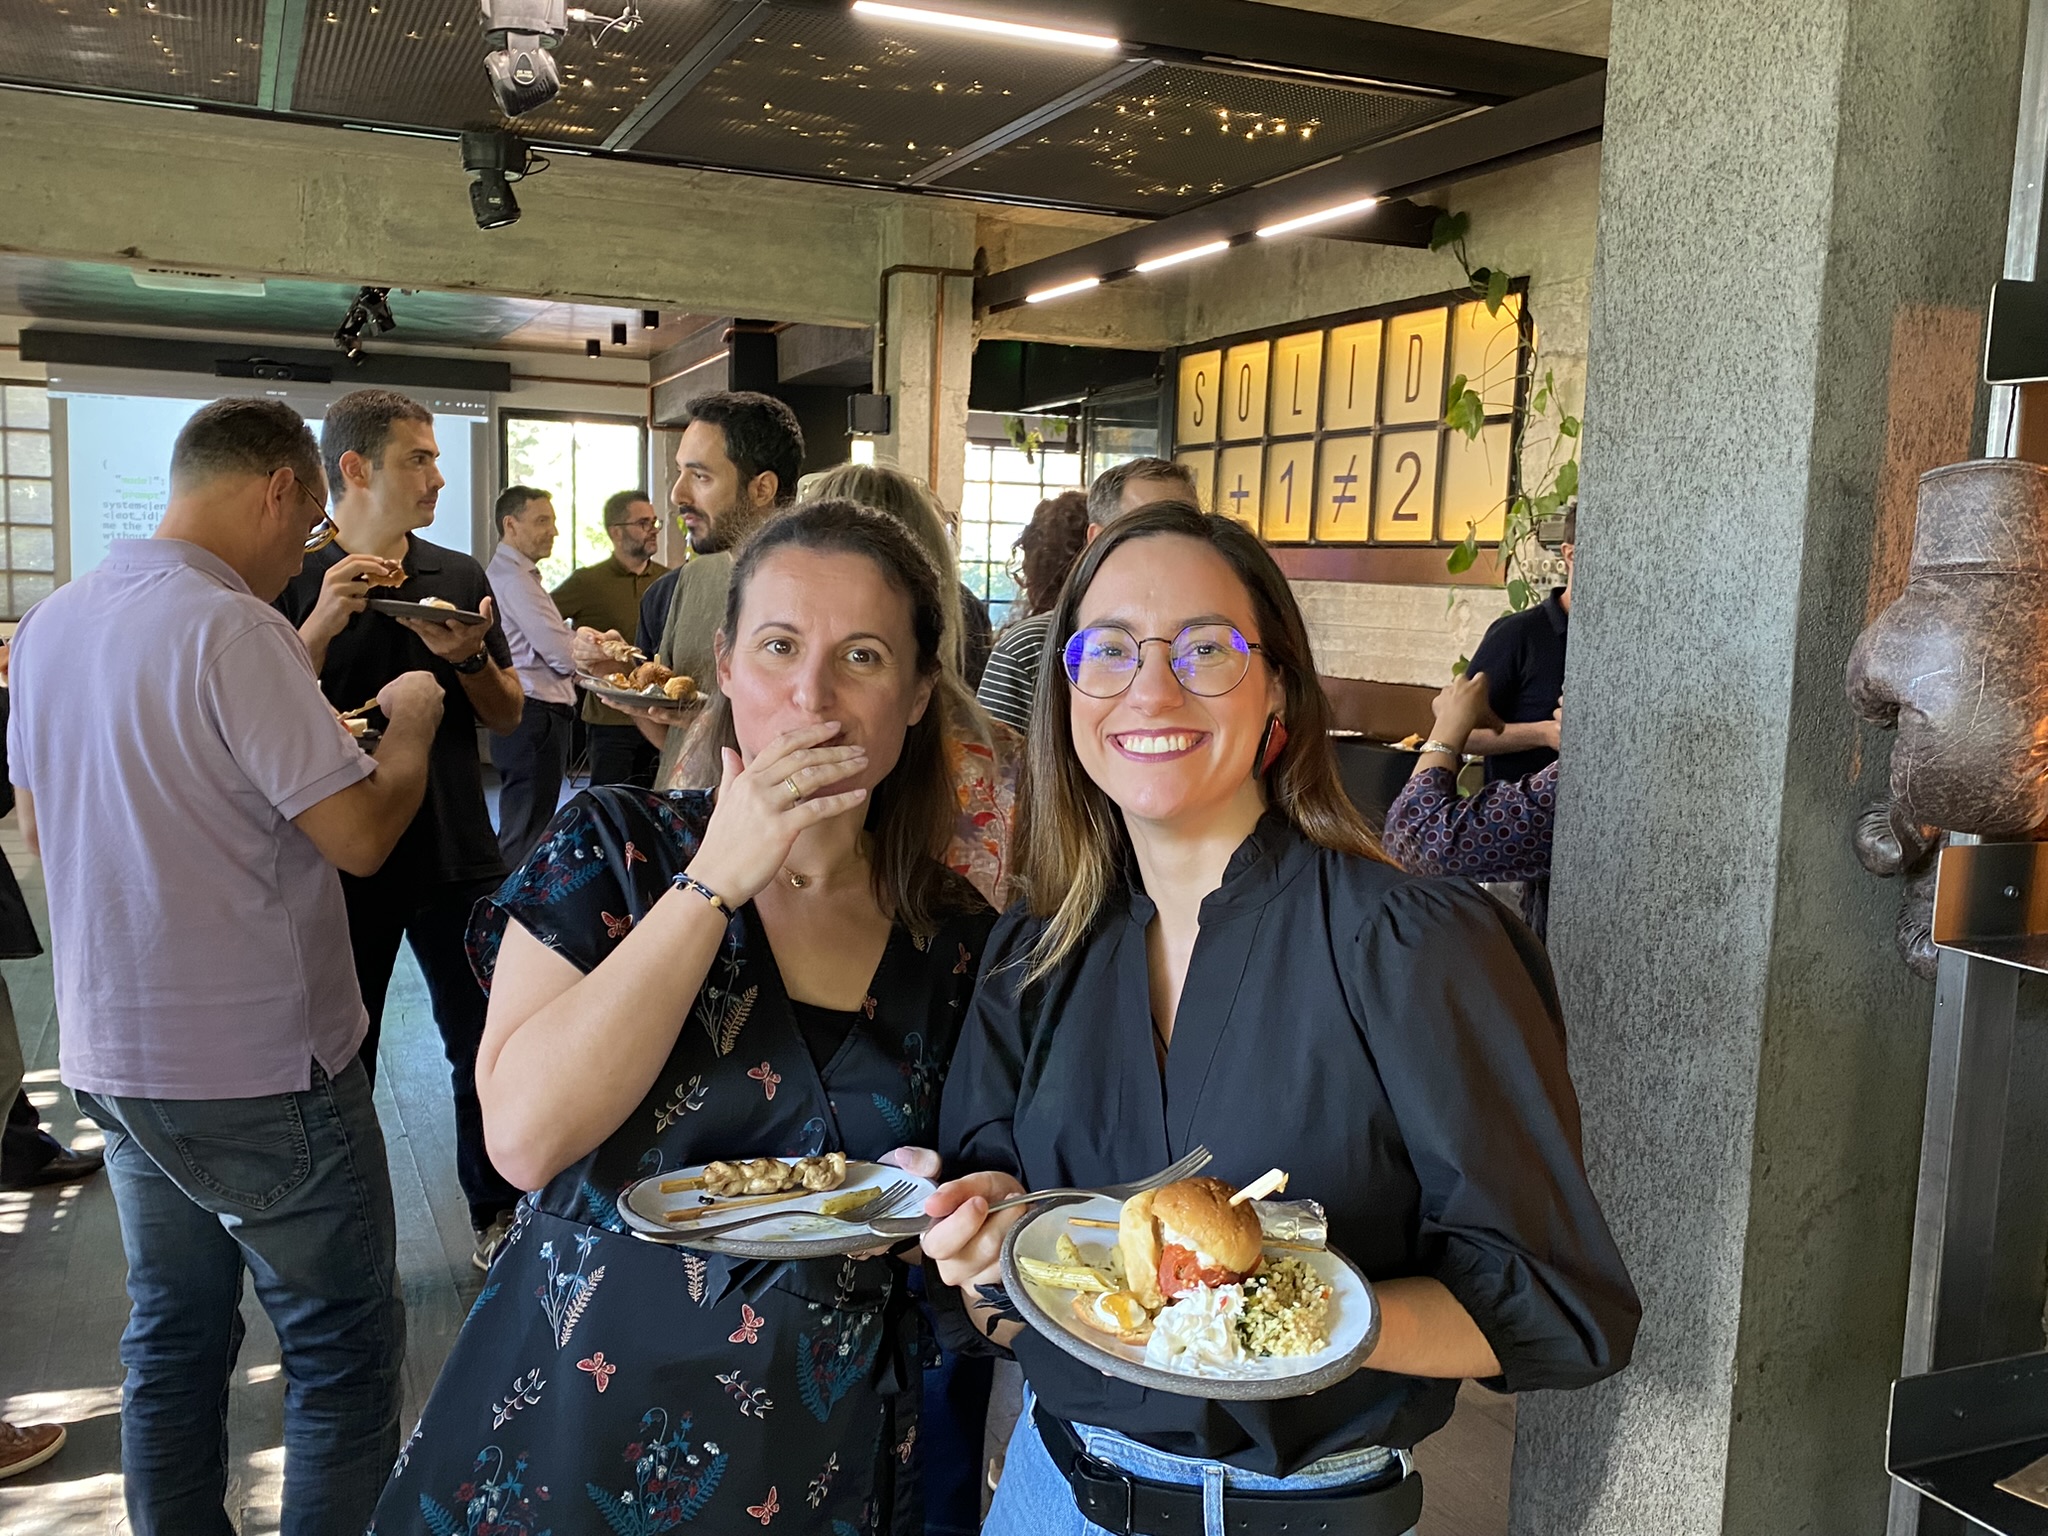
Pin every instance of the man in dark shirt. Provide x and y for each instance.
(606, 597)
(381, 458)
(1523, 659)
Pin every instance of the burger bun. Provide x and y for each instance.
(1199, 1210)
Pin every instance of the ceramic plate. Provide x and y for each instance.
(613, 695)
(399, 609)
(796, 1233)
(1354, 1315)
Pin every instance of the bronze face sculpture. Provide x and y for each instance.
(1959, 666)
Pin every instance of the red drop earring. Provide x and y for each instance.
(1271, 745)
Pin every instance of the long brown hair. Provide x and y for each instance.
(1070, 835)
(911, 812)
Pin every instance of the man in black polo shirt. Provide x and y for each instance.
(380, 455)
(1523, 659)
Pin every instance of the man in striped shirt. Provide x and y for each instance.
(1012, 672)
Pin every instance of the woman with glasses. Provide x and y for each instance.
(1211, 950)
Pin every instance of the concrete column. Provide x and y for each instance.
(1802, 210)
(925, 343)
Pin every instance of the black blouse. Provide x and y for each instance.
(1395, 1043)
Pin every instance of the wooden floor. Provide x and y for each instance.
(62, 1303)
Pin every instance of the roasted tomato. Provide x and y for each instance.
(1180, 1272)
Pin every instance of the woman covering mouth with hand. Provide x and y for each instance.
(1210, 949)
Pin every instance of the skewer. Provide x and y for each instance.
(1272, 1181)
(719, 1208)
(677, 1186)
(360, 709)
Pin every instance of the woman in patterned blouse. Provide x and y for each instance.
(779, 968)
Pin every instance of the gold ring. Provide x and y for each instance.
(796, 796)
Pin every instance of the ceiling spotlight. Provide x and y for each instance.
(1177, 257)
(368, 308)
(1321, 216)
(650, 319)
(618, 333)
(496, 158)
(593, 348)
(1079, 285)
(522, 36)
(1015, 30)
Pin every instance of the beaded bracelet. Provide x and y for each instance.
(689, 882)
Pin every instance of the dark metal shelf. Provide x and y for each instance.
(1956, 1433)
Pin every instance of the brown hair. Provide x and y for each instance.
(917, 507)
(912, 811)
(360, 423)
(1050, 545)
(1070, 835)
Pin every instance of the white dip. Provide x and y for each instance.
(1197, 1335)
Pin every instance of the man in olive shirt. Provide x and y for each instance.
(606, 596)
(737, 464)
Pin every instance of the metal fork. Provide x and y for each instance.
(891, 1197)
(1193, 1163)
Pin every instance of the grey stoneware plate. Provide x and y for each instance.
(798, 1233)
(613, 695)
(1354, 1315)
(398, 608)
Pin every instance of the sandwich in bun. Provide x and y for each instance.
(1185, 1235)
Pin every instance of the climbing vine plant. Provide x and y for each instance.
(1546, 478)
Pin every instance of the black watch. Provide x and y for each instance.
(474, 665)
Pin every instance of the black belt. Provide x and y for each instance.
(1134, 1506)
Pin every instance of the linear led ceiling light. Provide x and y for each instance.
(1015, 30)
(1324, 216)
(1079, 285)
(1176, 258)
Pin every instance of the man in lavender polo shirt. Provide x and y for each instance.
(532, 760)
(190, 798)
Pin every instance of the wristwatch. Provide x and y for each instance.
(474, 665)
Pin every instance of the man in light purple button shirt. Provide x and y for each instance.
(533, 758)
(190, 796)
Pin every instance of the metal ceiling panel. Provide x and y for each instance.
(1185, 134)
(200, 50)
(420, 63)
(828, 94)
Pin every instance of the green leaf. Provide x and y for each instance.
(1568, 478)
(1461, 666)
(1519, 595)
(1448, 230)
(1569, 426)
(1539, 402)
(1496, 289)
(1462, 558)
(1467, 413)
(1546, 504)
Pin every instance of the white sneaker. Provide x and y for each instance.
(490, 1239)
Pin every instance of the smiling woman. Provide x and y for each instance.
(1211, 951)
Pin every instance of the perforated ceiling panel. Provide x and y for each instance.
(421, 63)
(1182, 135)
(824, 93)
(208, 50)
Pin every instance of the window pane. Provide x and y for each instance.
(29, 590)
(28, 405)
(34, 549)
(28, 453)
(29, 501)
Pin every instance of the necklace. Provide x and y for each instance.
(798, 880)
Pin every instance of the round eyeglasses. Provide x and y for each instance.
(1208, 659)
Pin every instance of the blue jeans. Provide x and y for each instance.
(295, 1188)
(1033, 1499)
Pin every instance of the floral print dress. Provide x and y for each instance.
(604, 1384)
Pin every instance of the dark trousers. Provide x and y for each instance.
(25, 1147)
(531, 762)
(433, 922)
(619, 754)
